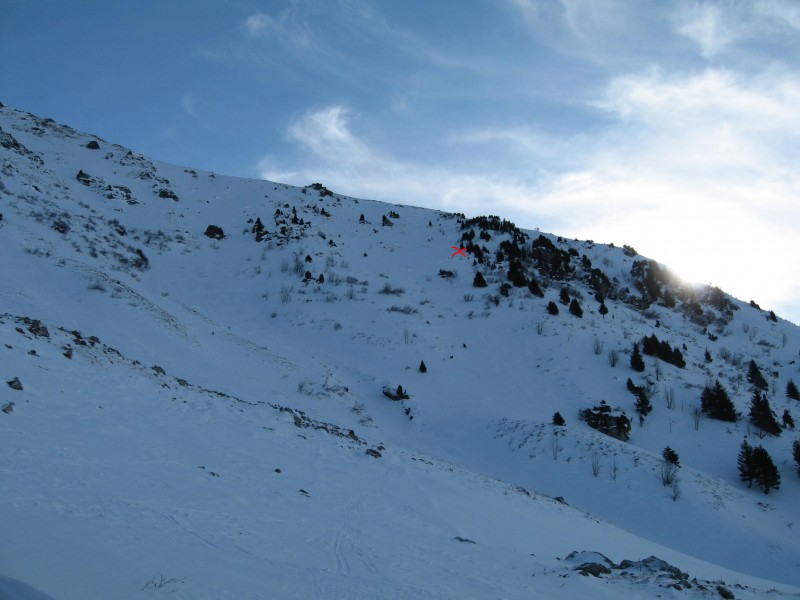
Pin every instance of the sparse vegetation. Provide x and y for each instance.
(389, 290)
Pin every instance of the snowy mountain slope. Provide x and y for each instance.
(153, 451)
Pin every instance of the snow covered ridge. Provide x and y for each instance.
(196, 367)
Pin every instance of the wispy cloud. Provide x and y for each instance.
(330, 152)
(705, 24)
(286, 27)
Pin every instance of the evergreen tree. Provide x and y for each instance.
(792, 391)
(258, 229)
(788, 421)
(558, 419)
(796, 454)
(637, 362)
(422, 367)
(563, 296)
(603, 310)
(479, 281)
(715, 401)
(643, 405)
(755, 377)
(552, 308)
(708, 357)
(745, 462)
(516, 274)
(534, 288)
(575, 308)
(765, 473)
(761, 414)
(671, 456)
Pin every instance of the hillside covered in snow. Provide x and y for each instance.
(225, 388)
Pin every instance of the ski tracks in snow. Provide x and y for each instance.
(351, 555)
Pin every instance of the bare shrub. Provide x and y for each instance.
(160, 582)
(696, 414)
(676, 490)
(595, 464)
(597, 346)
(286, 294)
(391, 291)
(540, 327)
(614, 468)
(669, 394)
(669, 473)
(613, 357)
(406, 310)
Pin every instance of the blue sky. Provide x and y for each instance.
(670, 126)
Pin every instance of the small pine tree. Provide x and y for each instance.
(745, 463)
(708, 357)
(765, 473)
(534, 288)
(715, 401)
(603, 310)
(479, 281)
(761, 414)
(788, 420)
(552, 308)
(755, 377)
(792, 391)
(637, 362)
(321, 278)
(422, 367)
(671, 456)
(796, 454)
(558, 419)
(643, 405)
(362, 219)
(563, 296)
(575, 308)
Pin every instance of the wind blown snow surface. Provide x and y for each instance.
(199, 419)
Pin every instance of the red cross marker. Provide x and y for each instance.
(461, 251)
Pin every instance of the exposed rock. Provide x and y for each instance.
(93, 145)
(8, 408)
(594, 569)
(15, 384)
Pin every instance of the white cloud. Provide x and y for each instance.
(696, 171)
(287, 28)
(334, 155)
(259, 23)
(704, 23)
